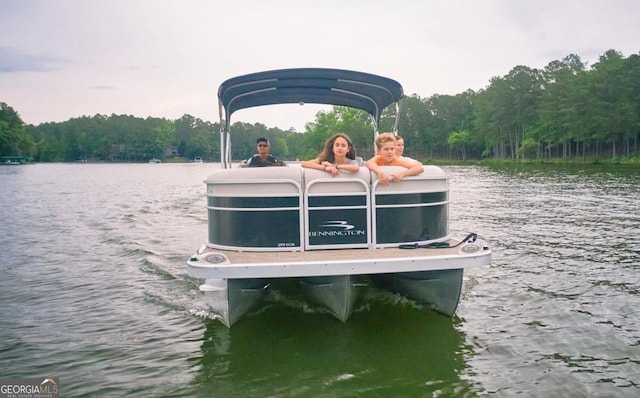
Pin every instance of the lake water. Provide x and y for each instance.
(94, 291)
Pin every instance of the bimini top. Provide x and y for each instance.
(359, 90)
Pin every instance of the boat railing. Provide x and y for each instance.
(337, 210)
(255, 209)
(296, 209)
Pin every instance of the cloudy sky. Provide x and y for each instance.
(165, 58)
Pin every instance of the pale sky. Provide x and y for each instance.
(165, 58)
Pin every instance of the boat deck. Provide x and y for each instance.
(251, 257)
(215, 263)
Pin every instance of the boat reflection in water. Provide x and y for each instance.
(393, 348)
(334, 236)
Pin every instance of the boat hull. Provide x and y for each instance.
(231, 299)
(337, 293)
(336, 279)
(439, 290)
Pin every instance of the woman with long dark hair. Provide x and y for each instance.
(338, 155)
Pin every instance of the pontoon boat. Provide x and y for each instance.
(333, 235)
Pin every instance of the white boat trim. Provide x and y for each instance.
(335, 262)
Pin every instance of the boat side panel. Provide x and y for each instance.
(255, 208)
(336, 210)
(412, 210)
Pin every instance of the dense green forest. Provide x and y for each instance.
(567, 110)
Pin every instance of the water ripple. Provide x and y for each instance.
(95, 291)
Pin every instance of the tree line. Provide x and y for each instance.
(566, 110)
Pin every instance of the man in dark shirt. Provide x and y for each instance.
(263, 158)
